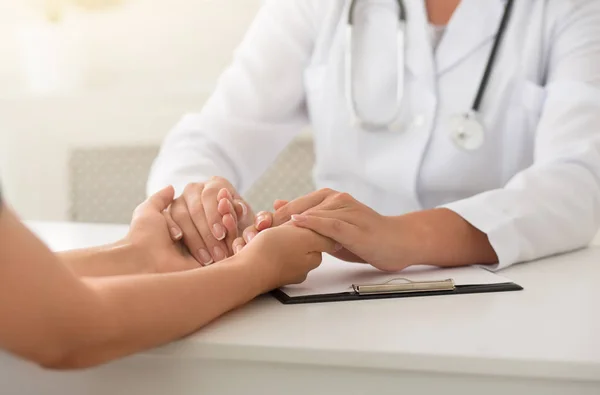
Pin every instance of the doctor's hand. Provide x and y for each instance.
(363, 235)
(206, 230)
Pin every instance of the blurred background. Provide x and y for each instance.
(89, 88)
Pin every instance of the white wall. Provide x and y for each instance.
(140, 66)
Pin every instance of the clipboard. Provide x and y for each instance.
(338, 281)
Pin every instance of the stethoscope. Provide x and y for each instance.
(466, 129)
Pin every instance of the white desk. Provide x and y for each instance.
(543, 340)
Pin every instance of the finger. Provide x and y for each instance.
(224, 194)
(225, 206)
(174, 229)
(230, 222)
(332, 228)
(263, 220)
(211, 212)
(238, 244)
(216, 248)
(244, 212)
(278, 204)
(249, 233)
(240, 209)
(191, 237)
(157, 202)
(232, 232)
(300, 205)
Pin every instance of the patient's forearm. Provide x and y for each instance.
(50, 316)
(146, 311)
(115, 259)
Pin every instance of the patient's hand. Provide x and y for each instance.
(284, 255)
(147, 248)
(149, 235)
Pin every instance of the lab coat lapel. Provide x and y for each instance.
(419, 53)
(474, 23)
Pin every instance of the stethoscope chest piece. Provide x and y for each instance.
(466, 131)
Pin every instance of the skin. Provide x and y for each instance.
(436, 237)
(195, 219)
(391, 243)
(142, 295)
(440, 11)
(228, 222)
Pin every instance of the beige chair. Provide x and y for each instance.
(106, 184)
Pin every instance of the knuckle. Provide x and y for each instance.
(250, 229)
(193, 188)
(195, 210)
(138, 210)
(342, 197)
(178, 212)
(209, 191)
(219, 182)
(336, 225)
(326, 191)
(238, 242)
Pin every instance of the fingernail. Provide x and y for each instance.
(298, 218)
(176, 233)
(250, 236)
(244, 208)
(205, 257)
(218, 231)
(218, 254)
(238, 248)
(338, 247)
(261, 220)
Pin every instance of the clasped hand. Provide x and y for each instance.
(362, 235)
(213, 221)
(280, 256)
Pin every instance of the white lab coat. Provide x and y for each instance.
(533, 188)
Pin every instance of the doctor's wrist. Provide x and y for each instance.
(407, 246)
(441, 237)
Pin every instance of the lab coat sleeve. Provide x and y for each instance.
(256, 110)
(553, 206)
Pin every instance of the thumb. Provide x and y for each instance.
(161, 199)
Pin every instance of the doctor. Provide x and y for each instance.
(460, 132)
